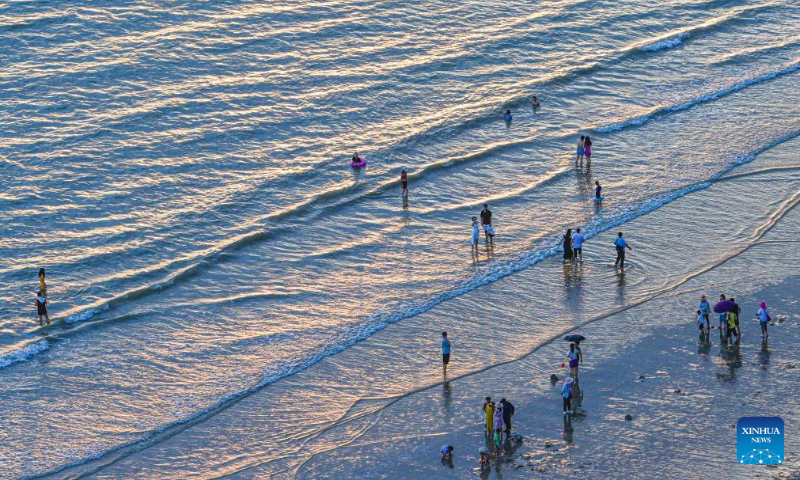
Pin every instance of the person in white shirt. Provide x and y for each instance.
(577, 244)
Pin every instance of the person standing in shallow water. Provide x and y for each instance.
(620, 244)
(476, 234)
(445, 353)
(580, 150)
(41, 309)
(486, 220)
(568, 245)
(577, 244)
(587, 149)
(42, 284)
(404, 182)
(597, 191)
(763, 318)
(508, 116)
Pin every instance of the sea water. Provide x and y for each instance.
(182, 172)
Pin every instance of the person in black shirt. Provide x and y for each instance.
(508, 411)
(486, 219)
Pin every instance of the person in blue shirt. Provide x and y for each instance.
(621, 245)
(705, 311)
(508, 116)
(445, 353)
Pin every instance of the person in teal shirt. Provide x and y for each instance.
(705, 310)
(621, 245)
(445, 353)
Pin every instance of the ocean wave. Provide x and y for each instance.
(670, 42)
(23, 353)
(787, 68)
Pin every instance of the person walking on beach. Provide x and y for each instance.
(763, 318)
(41, 309)
(587, 149)
(488, 410)
(577, 244)
(476, 234)
(508, 412)
(705, 310)
(580, 150)
(486, 222)
(566, 395)
(445, 353)
(620, 244)
(572, 358)
(568, 245)
(404, 182)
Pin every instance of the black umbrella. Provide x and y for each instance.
(574, 338)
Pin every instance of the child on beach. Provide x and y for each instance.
(41, 309)
(566, 394)
(508, 116)
(484, 456)
(763, 318)
(705, 310)
(701, 322)
(475, 232)
(498, 438)
(499, 424)
(447, 452)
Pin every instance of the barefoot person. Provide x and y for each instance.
(580, 150)
(598, 196)
(620, 244)
(445, 353)
(41, 309)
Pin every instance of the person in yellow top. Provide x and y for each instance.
(488, 409)
(42, 284)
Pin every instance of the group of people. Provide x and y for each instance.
(498, 422)
(729, 311)
(573, 358)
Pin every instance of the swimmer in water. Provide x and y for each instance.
(404, 182)
(535, 102)
(597, 190)
(356, 158)
(579, 156)
(508, 116)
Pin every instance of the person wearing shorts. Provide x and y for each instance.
(404, 181)
(580, 150)
(445, 352)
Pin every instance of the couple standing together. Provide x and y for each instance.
(573, 245)
(584, 149)
(486, 222)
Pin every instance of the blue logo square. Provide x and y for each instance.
(759, 440)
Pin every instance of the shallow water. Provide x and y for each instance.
(181, 171)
